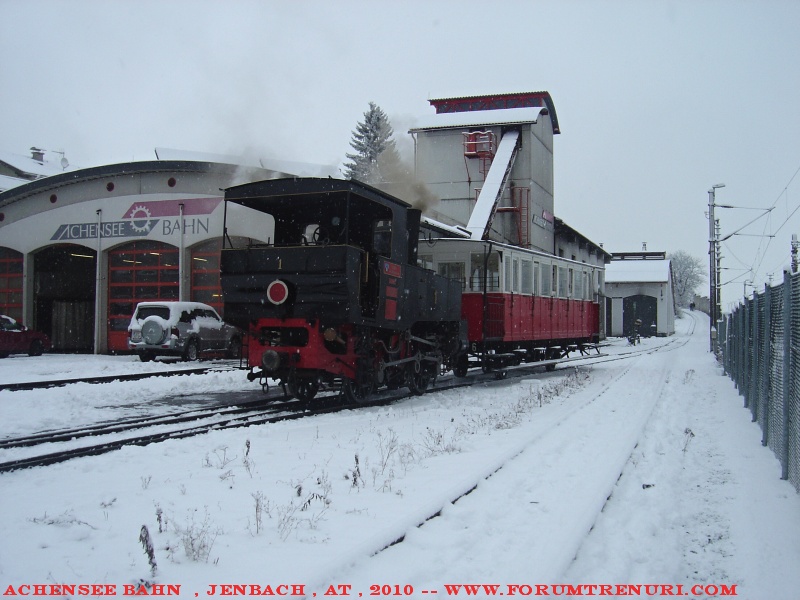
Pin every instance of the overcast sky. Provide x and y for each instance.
(657, 101)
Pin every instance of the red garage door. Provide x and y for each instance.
(11, 283)
(206, 286)
(138, 272)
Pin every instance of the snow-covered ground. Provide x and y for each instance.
(645, 470)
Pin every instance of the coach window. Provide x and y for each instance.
(571, 283)
(425, 261)
(535, 278)
(507, 284)
(526, 277)
(554, 280)
(484, 267)
(452, 270)
(562, 282)
(546, 280)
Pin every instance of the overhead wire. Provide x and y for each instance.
(785, 191)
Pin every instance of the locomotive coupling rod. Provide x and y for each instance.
(416, 358)
(420, 340)
(394, 363)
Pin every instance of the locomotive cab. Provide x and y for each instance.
(335, 294)
(328, 245)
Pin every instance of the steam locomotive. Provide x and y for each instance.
(336, 297)
(345, 295)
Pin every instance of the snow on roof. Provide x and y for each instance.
(6, 182)
(453, 230)
(638, 271)
(286, 167)
(503, 116)
(35, 168)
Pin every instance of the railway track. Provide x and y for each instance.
(52, 383)
(257, 412)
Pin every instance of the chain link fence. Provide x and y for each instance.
(759, 347)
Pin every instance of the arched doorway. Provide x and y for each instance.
(11, 283)
(639, 307)
(64, 296)
(140, 271)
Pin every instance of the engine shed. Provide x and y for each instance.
(639, 287)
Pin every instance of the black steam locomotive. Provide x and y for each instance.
(335, 297)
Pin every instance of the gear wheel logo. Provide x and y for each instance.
(140, 214)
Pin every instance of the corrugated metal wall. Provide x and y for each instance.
(759, 346)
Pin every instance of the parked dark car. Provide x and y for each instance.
(15, 338)
(185, 329)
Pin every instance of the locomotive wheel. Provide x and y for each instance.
(304, 389)
(357, 393)
(418, 381)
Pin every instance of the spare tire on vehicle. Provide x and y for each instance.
(152, 331)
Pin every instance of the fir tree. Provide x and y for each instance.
(374, 148)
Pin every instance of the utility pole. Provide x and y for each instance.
(718, 253)
(713, 273)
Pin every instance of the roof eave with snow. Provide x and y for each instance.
(638, 271)
(480, 118)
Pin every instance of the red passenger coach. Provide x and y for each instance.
(519, 305)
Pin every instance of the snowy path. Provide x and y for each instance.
(558, 482)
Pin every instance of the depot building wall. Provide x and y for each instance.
(79, 250)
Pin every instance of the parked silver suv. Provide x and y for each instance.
(186, 329)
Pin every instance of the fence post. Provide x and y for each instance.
(746, 340)
(753, 386)
(787, 357)
(766, 364)
(723, 325)
(737, 351)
